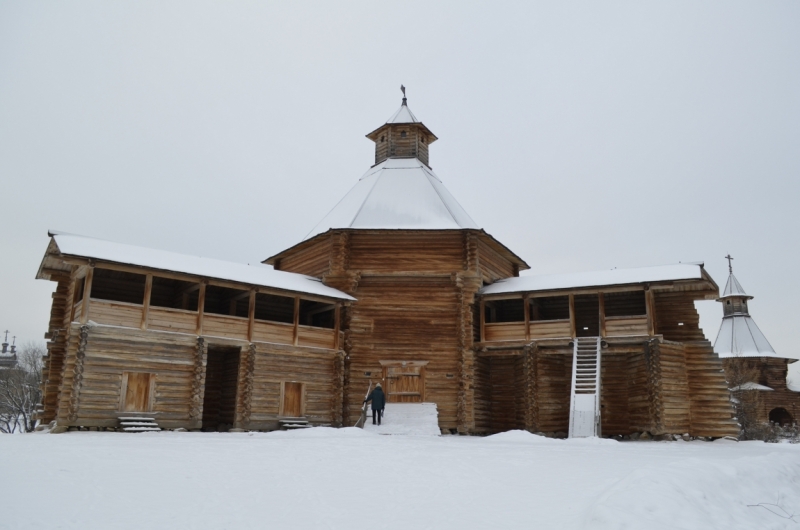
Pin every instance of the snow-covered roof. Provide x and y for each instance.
(403, 115)
(661, 273)
(751, 386)
(739, 336)
(257, 275)
(733, 288)
(398, 193)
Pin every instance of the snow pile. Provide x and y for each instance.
(518, 436)
(353, 479)
(415, 419)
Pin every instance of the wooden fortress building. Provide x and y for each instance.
(396, 284)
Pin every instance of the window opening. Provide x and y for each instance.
(587, 315)
(174, 294)
(497, 311)
(625, 304)
(226, 301)
(317, 314)
(549, 308)
(274, 308)
(118, 286)
(402, 134)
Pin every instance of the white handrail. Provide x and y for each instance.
(363, 418)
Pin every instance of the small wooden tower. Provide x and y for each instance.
(747, 351)
(402, 245)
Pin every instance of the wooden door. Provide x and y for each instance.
(405, 384)
(137, 392)
(292, 400)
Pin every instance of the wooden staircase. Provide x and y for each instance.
(290, 424)
(138, 424)
(584, 411)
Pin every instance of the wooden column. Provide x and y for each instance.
(650, 303)
(572, 316)
(483, 322)
(527, 308)
(87, 292)
(251, 314)
(601, 301)
(148, 289)
(336, 316)
(295, 336)
(201, 302)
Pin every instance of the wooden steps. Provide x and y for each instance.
(584, 413)
(289, 424)
(138, 424)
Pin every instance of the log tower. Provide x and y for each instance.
(414, 260)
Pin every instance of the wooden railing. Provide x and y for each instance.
(183, 321)
(553, 329)
(621, 326)
(549, 329)
(115, 313)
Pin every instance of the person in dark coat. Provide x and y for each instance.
(378, 399)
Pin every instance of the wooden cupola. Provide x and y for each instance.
(402, 136)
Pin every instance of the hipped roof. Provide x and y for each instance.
(739, 336)
(733, 288)
(64, 245)
(398, 193)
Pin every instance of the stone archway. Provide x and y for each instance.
(781, 416)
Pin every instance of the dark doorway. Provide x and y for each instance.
(587, 315)
(781, 416)
(222, 375)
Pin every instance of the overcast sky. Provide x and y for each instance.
(582, 135)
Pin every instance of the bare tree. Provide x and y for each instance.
(19, 390)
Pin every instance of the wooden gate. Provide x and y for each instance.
(405, 381)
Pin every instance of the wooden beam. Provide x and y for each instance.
(483, 321)
(201, 302)
(601, 302)
(572, 316)
(148, 289)
(295, 337)
(337, 313)
(199, 279)
(650, 304)
(527, 309)
(251, 315)
(87, 291)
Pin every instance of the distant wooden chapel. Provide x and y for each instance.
(396, 284)
(752, 364)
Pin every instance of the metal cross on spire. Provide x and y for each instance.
(403, 89)
(6, 339)
(730, 265)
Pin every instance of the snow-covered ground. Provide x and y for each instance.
(416, 419)
(351, 478)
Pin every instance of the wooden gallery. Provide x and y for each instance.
(396, 284)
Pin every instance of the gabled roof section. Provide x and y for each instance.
(397, 194)
(576, 280)
(734, 288)
(69, 245)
